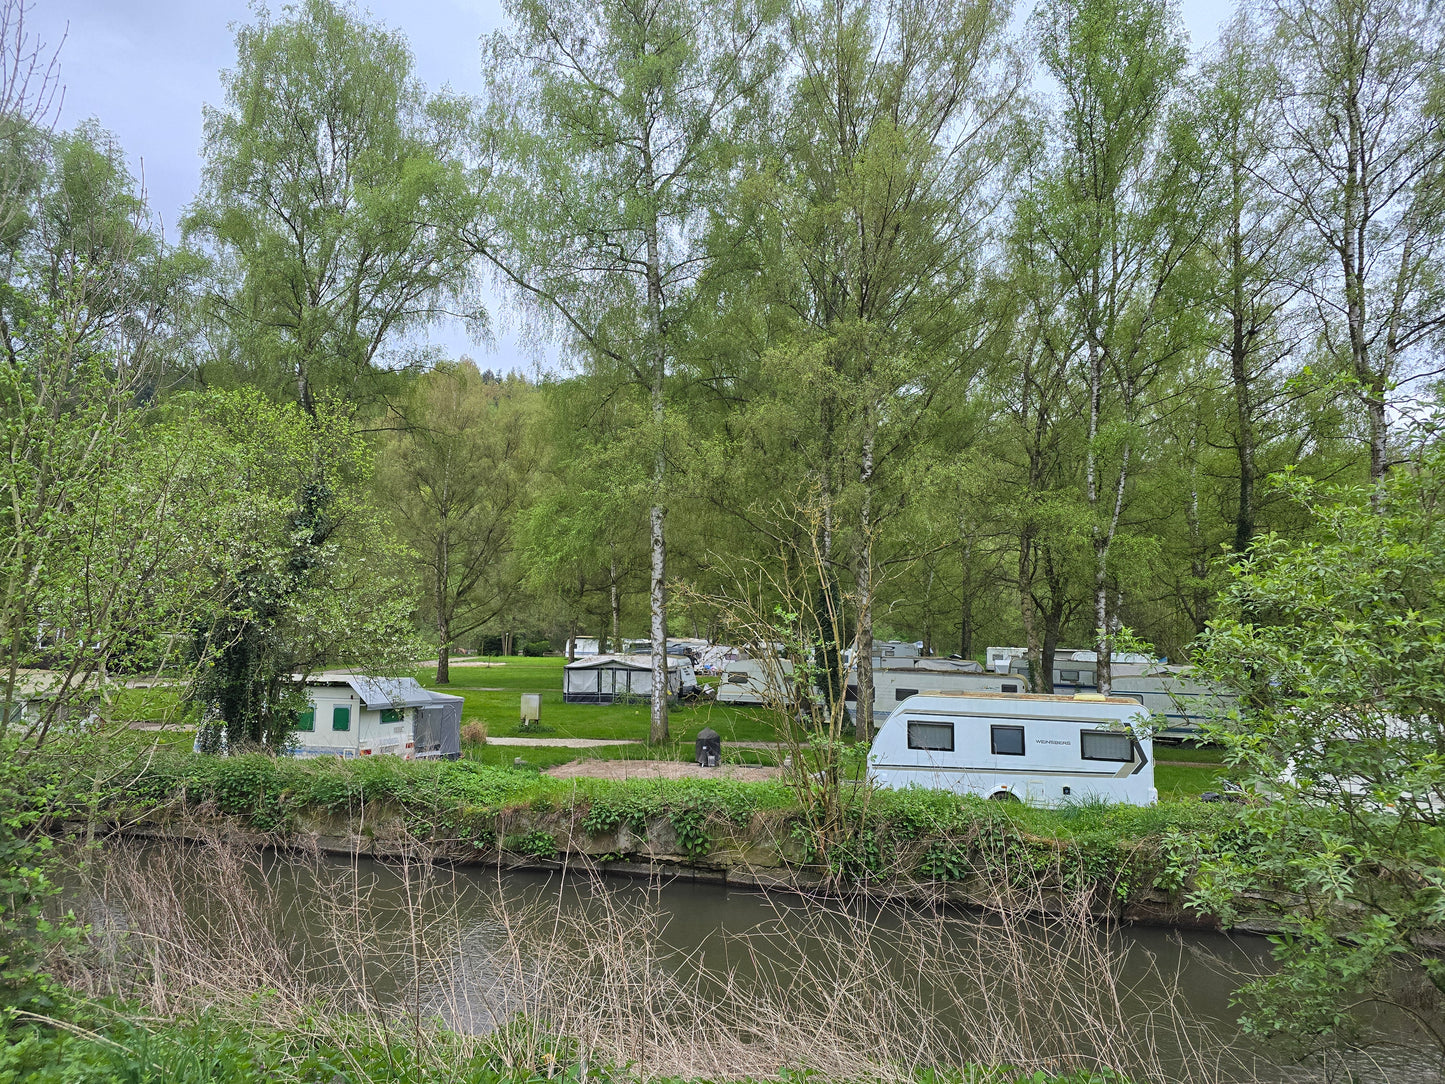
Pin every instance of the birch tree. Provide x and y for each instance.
(611, 132)
(889, 164)
(1122, 214)
(1361, 89)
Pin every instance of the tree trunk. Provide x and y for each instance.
(657, 731)
(444, 631)
(1033, 644)
(616, 599)
(863, 652)
(1243, 407)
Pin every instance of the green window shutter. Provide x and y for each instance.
(341, 718)
(391, 715)
(306, 720)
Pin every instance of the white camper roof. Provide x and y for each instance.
(383, 692)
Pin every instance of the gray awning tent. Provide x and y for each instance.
(605, 679)
(439, 727)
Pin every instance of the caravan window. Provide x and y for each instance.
(306, 720)
(1068, 675)
(737, 678)
(1008, 741)
(901, 695)
(1106, 745)
(937, 737)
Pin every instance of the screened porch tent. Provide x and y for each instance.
(604, 679)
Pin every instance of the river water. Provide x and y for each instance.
(691, 978)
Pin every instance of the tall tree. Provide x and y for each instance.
(458, 480)
(1361, 89)
(1122, 214)
(613, 125)
(300, 582)
(886, 169)
(331, 196)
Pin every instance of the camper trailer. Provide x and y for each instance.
(756, 681)
(1180, 703)
(1044, 750)
(898, 679)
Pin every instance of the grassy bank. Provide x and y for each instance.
(473, 811)
(98, 1044)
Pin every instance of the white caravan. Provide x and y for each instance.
(1044, 750)
(767, 681)
(903, 678)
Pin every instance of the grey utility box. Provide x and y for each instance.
(709, 748)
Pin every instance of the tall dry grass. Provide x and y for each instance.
(850, 990)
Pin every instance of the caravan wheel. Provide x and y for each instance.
(1003, 794)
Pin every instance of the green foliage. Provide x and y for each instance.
(302, 586)
(537, 844)
(1337, 645)
(331, 188)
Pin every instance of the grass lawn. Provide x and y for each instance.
(501, 710)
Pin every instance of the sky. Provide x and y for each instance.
(144, 68)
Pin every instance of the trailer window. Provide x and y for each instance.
(306, 720)
(391, 715)
(901, 695)
(937, 737)
(1008, 741)
(1106, 745)
(737, 677)
(1008, 688)
(341, 718)
(1068, 675)
(850, 693)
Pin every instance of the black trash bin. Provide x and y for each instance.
(709, 748)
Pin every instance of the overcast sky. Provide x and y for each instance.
(144, 68)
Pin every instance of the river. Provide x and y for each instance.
(689, 978)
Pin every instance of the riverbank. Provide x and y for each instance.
(1130, 863)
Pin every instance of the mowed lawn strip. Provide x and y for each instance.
(501, 711)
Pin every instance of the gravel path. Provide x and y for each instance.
(563, 743)
(659, 769)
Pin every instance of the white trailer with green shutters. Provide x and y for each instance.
(1044, 750)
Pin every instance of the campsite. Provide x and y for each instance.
(678, 542)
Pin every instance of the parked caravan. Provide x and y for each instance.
(902, 678)
(604, 679)
(1044, 750)
(356, 715)
(1179, 702)
(756, 681)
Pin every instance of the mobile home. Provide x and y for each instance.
(604, 679)
(354, 715)
(1044, 750)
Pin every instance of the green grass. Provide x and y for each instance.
(1186, 780)
(501, 711)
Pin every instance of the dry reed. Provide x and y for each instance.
(848, 989)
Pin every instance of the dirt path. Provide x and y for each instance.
(659, 769)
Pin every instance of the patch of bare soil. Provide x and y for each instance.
(659, 769)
